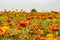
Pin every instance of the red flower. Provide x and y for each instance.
(31, 32)
(23, 24)
(55, 29)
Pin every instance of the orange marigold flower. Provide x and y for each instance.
(36, 28)
(26, 37)
(29, 22)
(34, 25)
(58, 38)
(54, 29)
(28, 18)
(41, 38)
(34, 36)
(1, 32)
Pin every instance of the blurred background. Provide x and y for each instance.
(27, 5)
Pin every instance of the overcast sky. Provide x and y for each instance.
(39, 5)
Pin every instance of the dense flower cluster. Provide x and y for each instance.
(29, 25)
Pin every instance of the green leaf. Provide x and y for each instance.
(0, 18)
(46, 23)
(1, 38)
(55, 20)
(30, 38)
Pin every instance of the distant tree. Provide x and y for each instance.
(54, 12)
(33, 10)
(21, 10)
(5, 10)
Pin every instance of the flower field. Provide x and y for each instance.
(29, 25)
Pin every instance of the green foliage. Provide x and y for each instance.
(46, 23)
(33, 10)
(55, 20)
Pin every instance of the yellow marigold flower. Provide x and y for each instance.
(3, 17)
(50, 38)
(19, 31)
(49, 35)
(17, 14)
(55, 38)
(4, 28)
(40, 31)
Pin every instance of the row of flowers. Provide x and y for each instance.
(29, 25)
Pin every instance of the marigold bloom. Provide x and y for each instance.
(58, 38)
(26, 37)
(54, 29)
(1, 32)
(50, 38)
(40, 31)
(41, 38)
(49, 35)
(4, 28)
(23, 24)
(31, 32)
